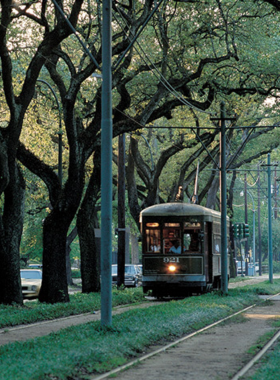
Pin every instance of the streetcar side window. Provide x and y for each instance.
(217, 243)
(152, 241)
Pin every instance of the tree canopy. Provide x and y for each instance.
(173, 62)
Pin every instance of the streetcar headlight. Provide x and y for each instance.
(172, 268)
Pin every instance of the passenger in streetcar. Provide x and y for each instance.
(155, 248)
(194, 242)
(176, 248)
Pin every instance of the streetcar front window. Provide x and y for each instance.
(152, 241)
(192, 233)
(191, 242)
(172, 238)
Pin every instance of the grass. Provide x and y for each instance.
(79, 303)
(260, 343)
(82, 350)
(238, 279)
(269, 366)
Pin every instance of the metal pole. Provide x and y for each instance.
(275, 193)
(106, 167)
(223, 189)
(259, 222)
(254, 231)
(246, 221)
(121, 211)
(254, 238)
(270, 264)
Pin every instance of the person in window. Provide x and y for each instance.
(155, 247)
(194, 242)
(176, 248)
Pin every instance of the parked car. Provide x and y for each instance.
(35, 266)
(132, 275)
(239, 267)
(31, 281)
(257, 267)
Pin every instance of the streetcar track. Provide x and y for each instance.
(260, 354)
(188, 336)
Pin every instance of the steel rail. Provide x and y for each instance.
(259, 355)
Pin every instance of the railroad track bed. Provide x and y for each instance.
(223, 350)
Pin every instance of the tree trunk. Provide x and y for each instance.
(68, 264)
(54, 284)
(90, 256)
(134, 249)
(11, 225)
(69, 240)
(212, 194)
(134, 207)
(231, 195)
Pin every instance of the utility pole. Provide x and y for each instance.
(106, 166)
(275, 193)
(223, 199)
(270, 266)
(121, 210)
(246, 222)
(259, 222)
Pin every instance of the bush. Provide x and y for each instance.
(276, 266)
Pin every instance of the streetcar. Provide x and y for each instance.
(181, 249)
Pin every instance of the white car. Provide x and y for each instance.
(31, 281)
(132, 275)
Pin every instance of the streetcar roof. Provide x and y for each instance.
(178, 209)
